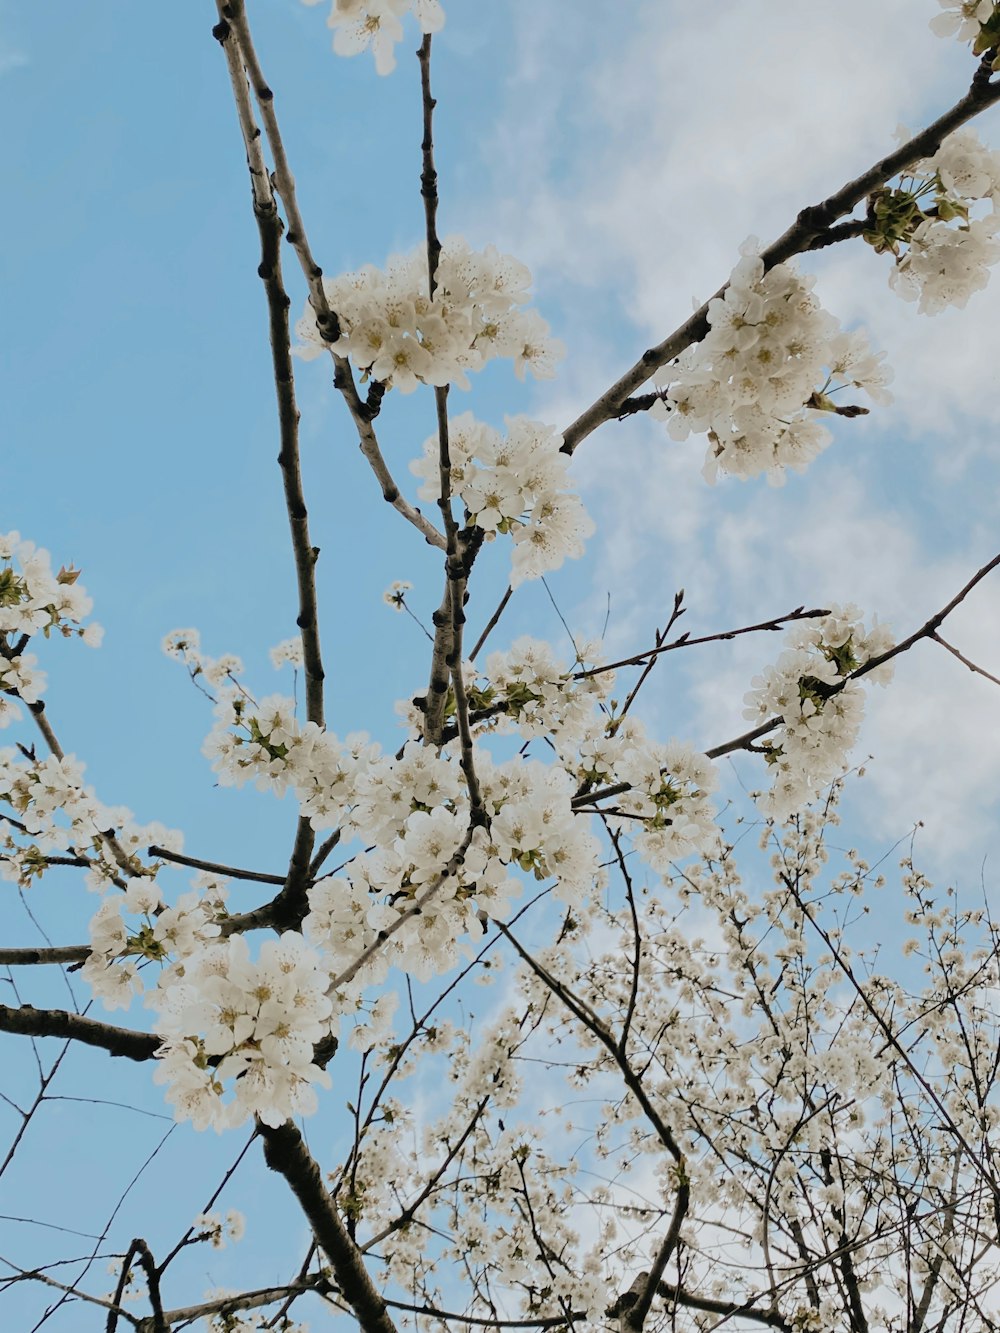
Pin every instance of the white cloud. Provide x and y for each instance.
(688, 135)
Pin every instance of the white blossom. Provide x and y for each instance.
(396, 334)
(761, 380)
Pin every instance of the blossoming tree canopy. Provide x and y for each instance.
(696, 1095)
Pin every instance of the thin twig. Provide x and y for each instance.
(491, 624)
(654, 656)
(963, 659)
(35, 1275)
(687, 641)
(213, 867)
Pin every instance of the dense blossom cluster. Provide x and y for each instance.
(246, 1026)
(748, 1050)
(943, 255)
(810, 689)
(514, 483)
(377, 24)
(536, 694)
(265, 743)
(397, 334)
(760, 381)
(160, 933)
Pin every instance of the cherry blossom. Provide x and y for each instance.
(759, 383)
(512, 484)
(398, 335)
(362, 24)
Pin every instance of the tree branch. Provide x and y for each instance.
(686, 641)
(28, 1021)
(964, 660)
(233, 14)
(807, 232)
(247, 1300)
(286, 1153)
(213, 867)
(269, 228)
(69, 953)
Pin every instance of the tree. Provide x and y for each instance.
(695, 1096)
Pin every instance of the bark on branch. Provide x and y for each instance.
(31, 1022)
(286, 1153)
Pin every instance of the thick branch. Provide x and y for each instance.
(636, 1317)
(286, 1153)
(32, 1022)
(727, 1309)
(69, 953)
(292, 903)
(247, 1300)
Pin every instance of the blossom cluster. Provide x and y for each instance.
(763, 376)
(35, 600)
(537, 695)
(161, 933)
(56, 813)
(265, 743)
(377, 24)
(400, 336)
(514, 483)
(289, 652)
(213, 1227)
(184, 645)
(948, 252)
(423, 855)
(810, 688)
(248, 1027)
(667, 809)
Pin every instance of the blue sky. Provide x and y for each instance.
(625, 162)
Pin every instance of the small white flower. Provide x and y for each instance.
(395, 594)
